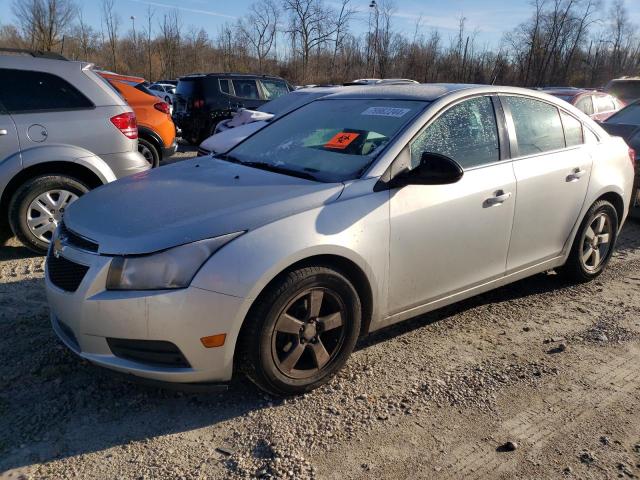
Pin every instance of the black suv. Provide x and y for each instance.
(203, 100)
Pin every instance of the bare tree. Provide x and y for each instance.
(43, 22)
(259, 28)
(170, 43)
(111, 22)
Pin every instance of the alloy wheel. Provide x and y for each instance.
(308, 333)
(596, 242)
(45, 212)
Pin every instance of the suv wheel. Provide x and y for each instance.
(149, 151)
(36, 208)
(301, 331)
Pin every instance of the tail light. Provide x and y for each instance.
(163, 107)
(198, 103)
(126, 123)
(632, 157)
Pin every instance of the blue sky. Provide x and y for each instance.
(490, 18)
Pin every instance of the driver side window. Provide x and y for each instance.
(466, 132)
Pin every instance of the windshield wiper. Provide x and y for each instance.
(228, 158)
(286, 171)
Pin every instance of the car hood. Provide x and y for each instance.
(626, 131)
(227, 139)
(190, 201)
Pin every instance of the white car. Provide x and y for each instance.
(165, 91)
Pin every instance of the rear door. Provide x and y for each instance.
(246, 93)
(47, 109)
(552, 166)
(9, 144)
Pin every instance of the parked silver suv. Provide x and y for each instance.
(63, 131)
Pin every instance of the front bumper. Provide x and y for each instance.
(86, 318)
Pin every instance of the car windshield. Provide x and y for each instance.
(629, 115)
(327, 140)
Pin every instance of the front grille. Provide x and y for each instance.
(150, 352)
(74, 240)
(65, 274)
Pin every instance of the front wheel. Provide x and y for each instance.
(594, 243)
(301, 331)
(37, 207)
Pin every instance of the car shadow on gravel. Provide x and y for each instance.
(10, 252)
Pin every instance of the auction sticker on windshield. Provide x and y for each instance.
(386, 111)
(341, 140)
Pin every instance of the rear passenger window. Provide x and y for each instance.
(246, 89)
(467, 133)
(572, 130)
(585, 104)
(224, 86)
(25, 91)
(604, 104)
(538, 127)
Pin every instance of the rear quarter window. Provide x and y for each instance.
(29, 91)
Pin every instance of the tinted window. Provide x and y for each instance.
(467, 133)
(246, 89)
(585, 104)
(274, 88)
(188, 88)
(333, 140)
(224, 86)
(24, 91)
(538, 127)
(572, 130)
(604, 103)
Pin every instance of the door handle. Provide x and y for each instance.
(3, 131)
(575, 175)
(498, 198)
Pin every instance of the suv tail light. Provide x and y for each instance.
(163, 107)
(198, 103)
(632, 157)
(126, 123)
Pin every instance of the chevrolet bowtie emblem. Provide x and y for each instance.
(57, 248)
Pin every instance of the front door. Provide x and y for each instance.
(446, 238)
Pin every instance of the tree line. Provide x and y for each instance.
(563, 42)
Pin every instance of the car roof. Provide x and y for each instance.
(194, 76)
(123, 78)
(570, 91)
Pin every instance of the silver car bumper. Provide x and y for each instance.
(126, 163)
(88, 320)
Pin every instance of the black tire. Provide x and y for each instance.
(150, 151)
(259, 339)
(26, 194)
(576, 268)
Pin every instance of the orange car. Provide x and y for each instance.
(156, 131)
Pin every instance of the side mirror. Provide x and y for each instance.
(434, 169)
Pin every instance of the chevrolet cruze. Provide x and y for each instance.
(351, 213)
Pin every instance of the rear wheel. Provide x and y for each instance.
(594, 243)
(37, 207)
(149, 151)
(301, 331)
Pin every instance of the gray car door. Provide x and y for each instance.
(552, 177)
(446, 238)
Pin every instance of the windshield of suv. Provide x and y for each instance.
(327, 140)
(626, 90)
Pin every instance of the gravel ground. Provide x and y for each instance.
(539, 379)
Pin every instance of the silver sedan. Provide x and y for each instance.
(351, 213)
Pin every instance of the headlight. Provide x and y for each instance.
(173, 268)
